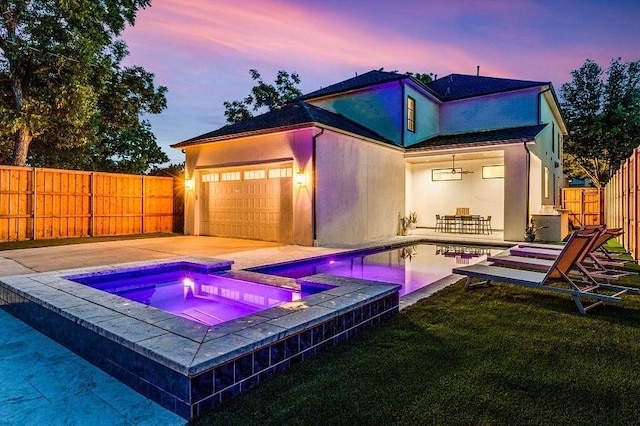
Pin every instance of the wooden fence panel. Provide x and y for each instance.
(622, 203)
(16, 204)
(118, 208)
(586, 205)
(62, 203)
(52, 203)
(632, 241)
(158, 200)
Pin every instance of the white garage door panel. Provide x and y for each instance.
(253, 208)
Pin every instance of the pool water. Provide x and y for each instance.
(190, 291)
(413, 267)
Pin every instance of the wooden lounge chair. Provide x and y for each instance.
(556, 278)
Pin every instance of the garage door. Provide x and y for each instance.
(251, 202)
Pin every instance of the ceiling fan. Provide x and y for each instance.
(456, 171)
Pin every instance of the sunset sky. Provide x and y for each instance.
(202, 50)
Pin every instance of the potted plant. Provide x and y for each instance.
(404, 225)
(413, 219)
(408, 222)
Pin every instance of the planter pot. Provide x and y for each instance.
(529, 237)
(405, 232)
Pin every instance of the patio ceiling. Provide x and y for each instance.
(445, 156)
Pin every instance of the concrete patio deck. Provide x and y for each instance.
(32, 365)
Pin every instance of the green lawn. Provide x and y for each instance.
(15, 245)
(501, 355)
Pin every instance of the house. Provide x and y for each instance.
(340, 165)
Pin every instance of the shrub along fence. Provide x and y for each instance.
(622, 203)
(50, 203)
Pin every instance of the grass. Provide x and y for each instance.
(15, 245)
(492, 356)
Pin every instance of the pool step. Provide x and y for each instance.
(202, 317)
(260, 278)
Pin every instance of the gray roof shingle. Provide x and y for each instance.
(367, 79)
(510, 135)
(295, 114)
(460, 86)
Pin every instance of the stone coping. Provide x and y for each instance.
(180, 344)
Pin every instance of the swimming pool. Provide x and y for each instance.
(413, 266)
(192, 291)
(186, 366)
(190, 367)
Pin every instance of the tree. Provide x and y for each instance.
(602, 112)
(264, 95)
(424, 78)
(64, 95)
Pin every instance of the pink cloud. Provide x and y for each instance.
(279, 32)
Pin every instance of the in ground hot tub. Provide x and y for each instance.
(193, 291)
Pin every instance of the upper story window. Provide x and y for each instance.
(553, 137)
(411, 114)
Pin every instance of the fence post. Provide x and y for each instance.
(92, 204)
(34, 203)
(144, 194)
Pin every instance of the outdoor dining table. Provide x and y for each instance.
(471, 224)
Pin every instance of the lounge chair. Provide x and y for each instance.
(556, 278)
(510, 261)
(602, 268)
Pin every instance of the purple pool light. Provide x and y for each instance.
(190, 291)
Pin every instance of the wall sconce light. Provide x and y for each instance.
(189, 184)
(300, 178)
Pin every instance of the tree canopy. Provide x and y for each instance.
(66, 100)
(423, 77)
(264, 95)
(602, 111)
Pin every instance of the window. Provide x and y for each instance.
(254, 174)
(411, 114)
(559, 143)
(546, 182)
(230, 176)
(211, 177)
(553, 137)
(493, 172)
(280, 173)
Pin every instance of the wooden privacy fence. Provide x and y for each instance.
(51, 203)
(586, 205)
(622, 203)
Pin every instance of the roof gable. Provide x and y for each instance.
(293, 115)
(460, 86)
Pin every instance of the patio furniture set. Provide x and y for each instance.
(463, 223)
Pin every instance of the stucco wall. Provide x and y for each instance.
(504, 110)
(427, 117)
(515, 193)
(379, 108)
(293, 145)
(550, 153)
(360, 190)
